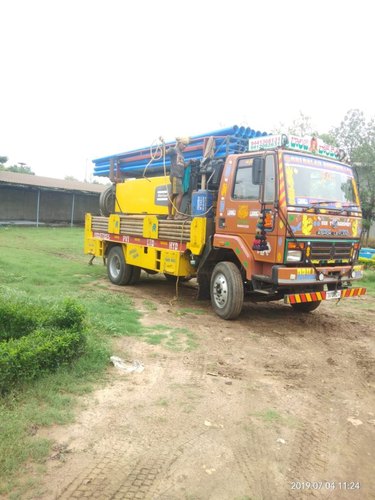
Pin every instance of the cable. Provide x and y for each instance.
(186, 216)
(159, 151)
(167, 185)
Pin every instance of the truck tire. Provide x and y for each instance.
(136, 275)
(306, 307)
(107, 201)
(119, 272)
(227, 291)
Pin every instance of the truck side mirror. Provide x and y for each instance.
(258, 171)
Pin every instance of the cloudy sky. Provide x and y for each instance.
(81, 79)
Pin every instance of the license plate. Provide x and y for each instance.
(333, 294)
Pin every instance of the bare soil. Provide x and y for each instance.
(275, 405)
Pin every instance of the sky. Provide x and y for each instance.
(82, 79)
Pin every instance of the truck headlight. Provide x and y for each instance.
(294, 256)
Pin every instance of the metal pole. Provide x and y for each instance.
(72, 217)
(37, 208)
(112, 170)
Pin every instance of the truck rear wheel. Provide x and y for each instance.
(119, 272)
(135, 275)
(227, 291)
(306, 307)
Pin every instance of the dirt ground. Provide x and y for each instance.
(276, 405)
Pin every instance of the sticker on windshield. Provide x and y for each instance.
(302, 201)
(318, 183)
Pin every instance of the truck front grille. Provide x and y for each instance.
(330, 250)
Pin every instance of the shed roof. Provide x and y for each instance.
(36, 181)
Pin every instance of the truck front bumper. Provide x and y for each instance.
(297, 298)
(302, 276)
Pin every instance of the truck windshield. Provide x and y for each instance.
(314, 180)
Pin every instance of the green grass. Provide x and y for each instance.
(273, 417)
(149, 305)
(45, 261)
(48, 263)
(47, 401)
(174, 339)
(269, 416)
(189, 310)
(368, 282)
(162, 402)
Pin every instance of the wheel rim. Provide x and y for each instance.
(220, 290)
(115, 267)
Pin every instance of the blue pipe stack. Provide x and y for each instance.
(230, 140)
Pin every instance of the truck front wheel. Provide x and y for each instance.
(119, 272)
(227, 290)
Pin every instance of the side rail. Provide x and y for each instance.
(148, 241)
(144, 226)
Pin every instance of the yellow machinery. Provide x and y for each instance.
(159, 245)
(140, 228)
(143, 196)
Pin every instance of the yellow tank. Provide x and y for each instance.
(143, 196)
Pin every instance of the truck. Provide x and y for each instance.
(266, 218)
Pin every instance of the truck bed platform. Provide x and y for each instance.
(173, 230)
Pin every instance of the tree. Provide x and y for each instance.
(364, 163)
(300, 126)
(328, 138)
(357, 138)
(351, 133)
(21, 168)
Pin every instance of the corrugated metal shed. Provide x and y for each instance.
(31, 199)
(49, 183)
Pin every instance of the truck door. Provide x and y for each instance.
(268, 197)
(242, 204)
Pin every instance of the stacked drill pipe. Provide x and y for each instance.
(177, 230)
(99, 224)
(174, 230)
(131, 224)
(137, 163)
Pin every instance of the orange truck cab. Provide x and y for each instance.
(287, 226)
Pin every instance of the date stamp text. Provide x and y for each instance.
(325, 485)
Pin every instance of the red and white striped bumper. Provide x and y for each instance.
(297, 298)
